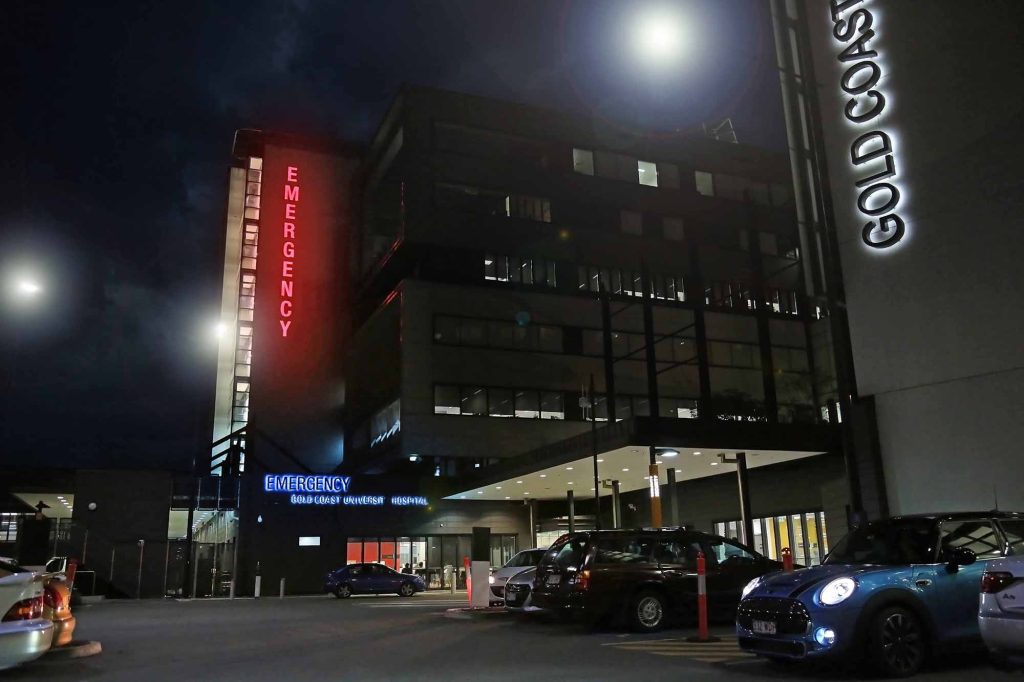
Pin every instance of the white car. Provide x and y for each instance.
(519, 590)
(1001, 611)
(528, 558)
(24, 633)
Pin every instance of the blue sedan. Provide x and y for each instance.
(889, 594)
(371, 579)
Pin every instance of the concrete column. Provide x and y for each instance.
(673, 498)
(616, 509)
(532, 508)
(571, 498)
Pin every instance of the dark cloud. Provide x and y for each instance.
(118, 124)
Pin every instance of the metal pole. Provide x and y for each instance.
(673, 498)
(138, 581)
(110, 582)
(593, 448)
(744, 491)
(167, 560)
(238, 532)
(532, 507)
(616, 509)
(652, 391)
(85, 544)
(216, 542)
(196, 494)
(570, 497)
(609, 361)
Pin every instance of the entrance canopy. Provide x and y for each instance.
(628, 465)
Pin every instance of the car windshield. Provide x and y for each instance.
(7, 569)
(889, 543)
(525, 559)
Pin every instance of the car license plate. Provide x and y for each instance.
(553, 579)
(764, 627)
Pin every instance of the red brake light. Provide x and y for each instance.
(26, 609)
(583, 580)
(995, 581)
(52, 598)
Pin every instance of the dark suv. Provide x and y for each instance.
(645, 576)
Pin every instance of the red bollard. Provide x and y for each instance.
(702, 603)
(469, 579)
(787, 559)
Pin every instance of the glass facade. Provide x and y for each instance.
(427, 555)
(804, 533)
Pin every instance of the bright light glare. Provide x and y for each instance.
(837, 591)
(220, 329)
(28, 287)
(658, 36)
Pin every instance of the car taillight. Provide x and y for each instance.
(52, 598)
(994, 581)
(583, 580)
(26, 609)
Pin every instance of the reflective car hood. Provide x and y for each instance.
(791, 584)
(524, 577)
(505, 572)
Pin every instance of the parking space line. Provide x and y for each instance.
(724, 651)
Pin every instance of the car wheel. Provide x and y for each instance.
(406, 590)
(897, 642)
(342, 591)
(647, 611)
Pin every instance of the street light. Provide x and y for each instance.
(658, 36)
(27, 287)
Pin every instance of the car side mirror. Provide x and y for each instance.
(960, 556)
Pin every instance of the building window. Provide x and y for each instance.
(668, 175)
(583, 161)
(804, 533)
(631, 222)
(615, 166)
(729, 294)
(647, 172)
(705, 183)
(505, 334)
(672, 229)
(522, 403)
(528, 208)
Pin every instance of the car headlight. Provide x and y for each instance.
(751, 586)
(837, 591)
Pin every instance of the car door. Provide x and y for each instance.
(677, 559)
(951, 592)
(359, 578)
(380, 579)
(730, 567)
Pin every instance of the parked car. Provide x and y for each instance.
(518, 591)
(890, 593)
(646, 577)
(24, 633)
(1001, 612)
(56, 600)
(371, 579)
(528, 558)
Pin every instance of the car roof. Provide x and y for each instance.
(954, 516)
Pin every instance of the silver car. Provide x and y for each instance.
(518, 591)
(1001, 611)
(526, 559)
(24, 633)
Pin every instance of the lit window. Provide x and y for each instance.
(583, 161)
(256, 163)
(255, 176)
(252, 187)
(648, 173)
(246, 302)
(705, 183)
(245, 315)
(252, 214)
(248, 263)
(632, 222)
(252, 201)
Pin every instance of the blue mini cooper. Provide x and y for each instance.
(888, 594)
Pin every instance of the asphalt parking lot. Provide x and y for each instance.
(390, 638)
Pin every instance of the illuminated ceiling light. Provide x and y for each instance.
(714, 464)
(518, 481)
(570, 483)
(669, 453)
(599, 461)
(497, 487)
(462, 497)
(507, 497)
(697, 452)
(542, 476)
(568, 468)
(626, 469)
(414, 458)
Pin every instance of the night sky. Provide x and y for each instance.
(116, 142)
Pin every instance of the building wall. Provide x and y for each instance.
(935, 320)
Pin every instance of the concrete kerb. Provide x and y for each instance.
(73, 649)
